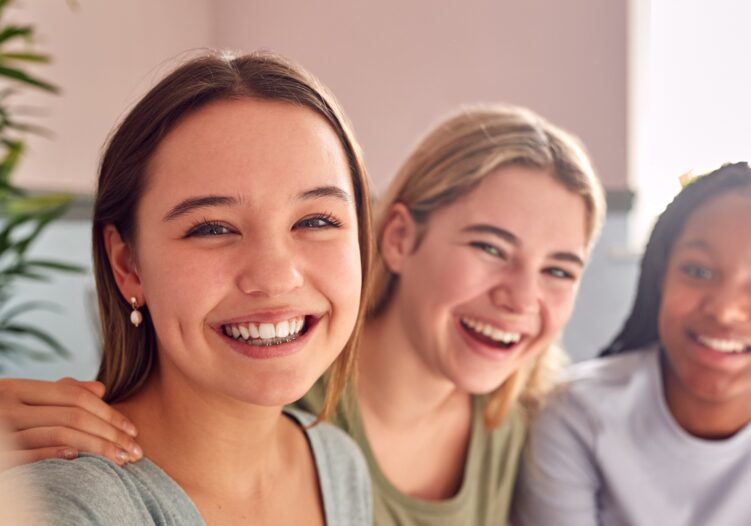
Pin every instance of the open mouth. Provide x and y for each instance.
(723, 345)
(490, 335)
(268, 334)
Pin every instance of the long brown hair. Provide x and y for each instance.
(129, 355)
(449, 163)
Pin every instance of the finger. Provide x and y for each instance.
(70, 394)
(73, 418)
(54, 436)
(11, 459)
(97, 388)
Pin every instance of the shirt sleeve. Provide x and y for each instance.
(87, 491)
(558, 481)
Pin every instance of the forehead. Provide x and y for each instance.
(722, 223)
(529, 202)
(237, 145)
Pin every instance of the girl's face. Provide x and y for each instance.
(705, 314)
(494, 277)
(246, 251)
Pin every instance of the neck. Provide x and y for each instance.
(207, 442)
(395, 384)
(703, 418)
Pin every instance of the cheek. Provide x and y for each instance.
(335, 269)
(181, 283)
(559, 306)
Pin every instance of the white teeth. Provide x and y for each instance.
(717, 344)
(282, 329)
(492, 332)
(268, 332)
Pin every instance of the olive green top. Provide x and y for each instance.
(489, 473)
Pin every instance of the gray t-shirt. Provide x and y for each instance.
(607, 451)
(92, 490)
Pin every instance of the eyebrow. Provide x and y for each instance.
(193, 203)
(698, 244)
(207, 201)
(509, 237)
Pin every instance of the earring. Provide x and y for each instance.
(135, 316)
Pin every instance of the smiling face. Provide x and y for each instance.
(493, 278)
(705, 313)
(246, 250)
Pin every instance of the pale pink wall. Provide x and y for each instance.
(398, 65)
(106, 54)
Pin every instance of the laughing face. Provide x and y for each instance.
(705, 314)
(246, 251)
(493, 277)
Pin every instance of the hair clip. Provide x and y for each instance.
(687, 178)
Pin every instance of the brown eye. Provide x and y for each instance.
(318, 221)
(696, 271)
(208, 229)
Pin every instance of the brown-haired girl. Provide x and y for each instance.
(231, 240)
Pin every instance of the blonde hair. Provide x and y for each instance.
(129, 354)
(449, 163)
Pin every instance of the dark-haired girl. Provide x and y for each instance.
(657, 430)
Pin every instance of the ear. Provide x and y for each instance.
(399, 237)
(123, 264)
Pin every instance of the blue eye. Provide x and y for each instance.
(560, 273)
(208, 229)
(697, 271)
(318, 221)
(488, 248)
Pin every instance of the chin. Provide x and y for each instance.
(480, 384)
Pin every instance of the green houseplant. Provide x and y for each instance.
(23, 217)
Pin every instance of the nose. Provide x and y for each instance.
(517, 292)
(729, 303)
(268, 268)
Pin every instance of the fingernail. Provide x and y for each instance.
(129, 428)
(67, 453)
(136, 452)
(122, 456)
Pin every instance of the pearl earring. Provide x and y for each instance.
(135, 316)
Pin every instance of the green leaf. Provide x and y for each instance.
(26, 57)
(27, 306)
(33, 332)
(11, 32)
(56, 265)
(21, 76)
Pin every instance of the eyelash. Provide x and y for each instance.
(560, 273)
(489, 249)
(696, 271)
(495, 251)
(328, 219)
(201, 229)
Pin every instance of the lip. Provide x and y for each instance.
(266, 316)
(273, 351)
(486, 350)
(712, 357)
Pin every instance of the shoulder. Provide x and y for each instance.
(88, 490)
(605, 386)
(342, 471)
(94, 490)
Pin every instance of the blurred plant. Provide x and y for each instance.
(23, 217)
